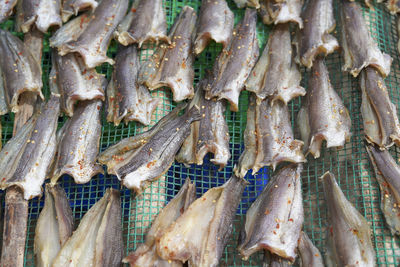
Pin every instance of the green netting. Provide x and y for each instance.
(350, 164)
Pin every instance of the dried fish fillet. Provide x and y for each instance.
(172, 65)
(148, 23)
(3, 96)
(215, 23)
(387, 173)
(309, 254)
(6, 9)
(72, 7)
(144, 158)
(93, 42)
(126, 99)
(98, 239)
(315, 37)
(348, 235)
(281, 11)
(210, 134)
(276, 75)
(21, 72)
(202, 243)
(146, 254)
(381, 124)
(273, 227)
(234, 65)
(272, 260)
(360, 49)
(323, 115)
(249, 3)
(54, 226)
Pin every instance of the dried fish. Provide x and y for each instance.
(393, 6)
(249, 3)
(72, 7)
(272, 260)
(309, 254)
(171, 65)
(281, 11)
(6, 9)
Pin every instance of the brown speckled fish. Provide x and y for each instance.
(72, 7)
(6, 9)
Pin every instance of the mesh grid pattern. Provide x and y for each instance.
(350, 164)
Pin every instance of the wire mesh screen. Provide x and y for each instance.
(350, 163)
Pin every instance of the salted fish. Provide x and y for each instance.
(323, 115)
(234, 64)
(148, 23)
(360, 49)
(248, 3)
(272, 260)
(21, 72)
(273, 227)
(202, 243)
(309, 254)
(381, 124)
(27, 156)
(172, 65)
(141, 159)
(210, 134)
(76, 82)
(387, 173)
(98, 239)
(146, 254)
(93, 42)
(281, 11)
(6, 9)
(315, 37)
(72, 7)
(393, 6)
(348, 234)
(54, 226)
(276, 75)
(127, 99)
(215, 23)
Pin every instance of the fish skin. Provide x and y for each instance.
(349, 236)
(72, 7)
(276, 75)
(323, 115)
(26, 76)
(279, 12)
(309, 254)
(387, 173)
(4, 109)
(54, 226)
(265, 218)
(6, 9)
(381, 124)
(203, 243)
(76, 82)
(26, 14)
(79, 144)
(215, 23)
(93, 42)
(172, 65)
(210, 134)
(248, 3)
(233, 65)
(126, 99)
(148, 23)
(315, 37)
(271, 260)
(360, 49)
(146, 254)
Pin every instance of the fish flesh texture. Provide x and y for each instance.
(146, 254)
(54, 226)
(348, 234)
(309, 254)
(323, 115)
(215, 23)
(76, 82)
(276, 75)
(93, 42)
(210, 134)
(276, 228)
(202, 243)
(21, 72)
(387, 173)
(141, 159)
(72, 7)
(148, 23)
(281, 11)
(315, 37)
(360, 49)
(6, 9)
(381, 124)
(393, 6)
(98, 239)
(248, 3)
(272, 260)
(233, 65)
(41, 13)
(172, 65)
(36, 144)
(79, 143)
(127, 99)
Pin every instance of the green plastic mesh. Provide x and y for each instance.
(350, 164)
